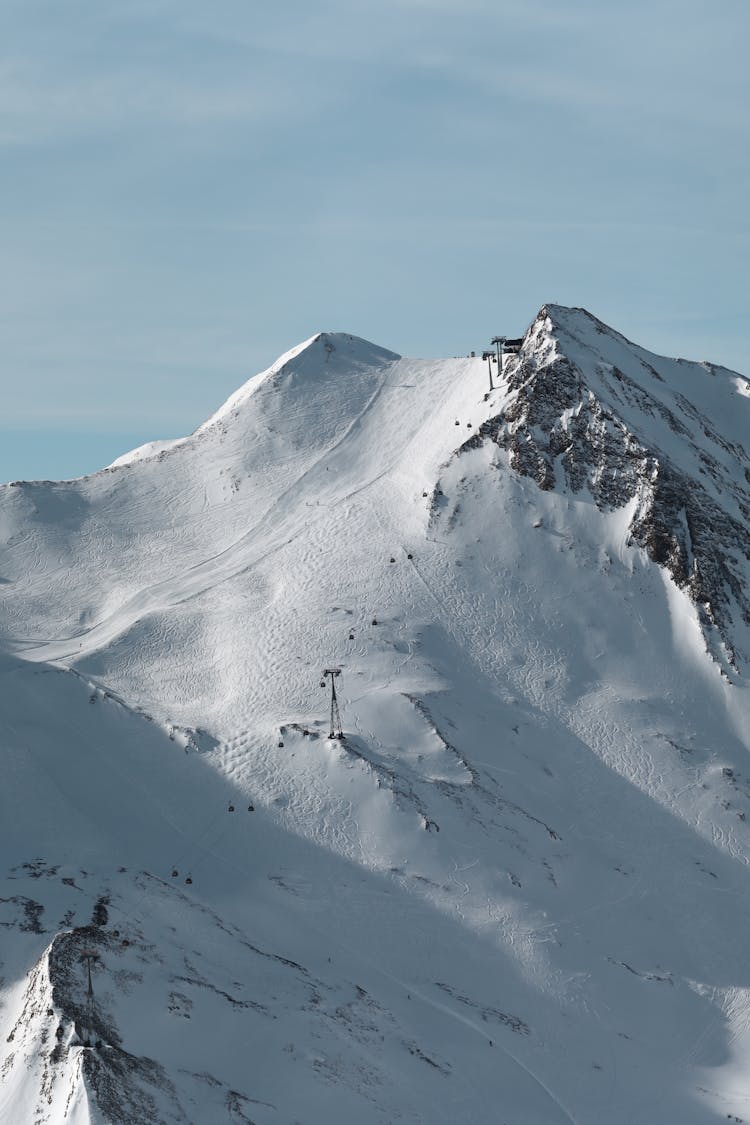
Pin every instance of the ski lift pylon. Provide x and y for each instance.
(335, 730)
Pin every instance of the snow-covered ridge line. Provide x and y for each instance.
(154, 448)
(306, 361)
(316, 350)
(244, 392)
(144, 452)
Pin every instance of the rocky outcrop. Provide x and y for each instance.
(562, 427)
(74, 1045)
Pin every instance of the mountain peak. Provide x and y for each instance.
(588, 410)
(575, 322)
(325, 351)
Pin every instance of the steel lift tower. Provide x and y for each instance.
(88, 956)
(499, 342)
(335, 727)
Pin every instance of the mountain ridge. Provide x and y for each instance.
(518, 887)
(678, 518)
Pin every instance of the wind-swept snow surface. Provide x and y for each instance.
(518, 889)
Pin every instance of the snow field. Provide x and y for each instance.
(527, 862)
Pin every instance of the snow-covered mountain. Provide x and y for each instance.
(518, 889)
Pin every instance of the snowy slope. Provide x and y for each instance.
(517, 891)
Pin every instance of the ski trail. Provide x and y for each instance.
(210, 572)
(519, 1062)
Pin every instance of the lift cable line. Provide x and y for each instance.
(335, 730)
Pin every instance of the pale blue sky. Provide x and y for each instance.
(188, 189)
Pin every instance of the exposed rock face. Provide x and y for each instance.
(75, 1045)
(123, 1084)
(575, 419)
